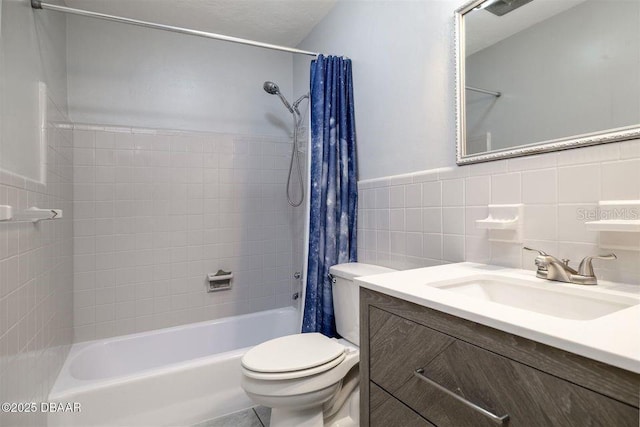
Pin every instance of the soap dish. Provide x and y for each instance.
(497, 224)
(504, 223)
(618, 224)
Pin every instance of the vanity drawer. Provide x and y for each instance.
(460, 384)
(387, 411)
(398, 343)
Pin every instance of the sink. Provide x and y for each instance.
(552, 299)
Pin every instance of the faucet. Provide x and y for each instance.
(551, 268)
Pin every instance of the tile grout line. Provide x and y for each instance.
(258, 417)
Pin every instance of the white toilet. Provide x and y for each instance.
(309, 379)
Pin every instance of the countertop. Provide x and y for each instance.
(613, 339)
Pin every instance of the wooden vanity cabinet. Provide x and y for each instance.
(422, 367)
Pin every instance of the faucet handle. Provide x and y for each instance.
(586, 267)
(541, 261)
(543, 253)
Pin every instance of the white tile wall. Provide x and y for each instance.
(36, 280)
(554, 188)
(155, 211)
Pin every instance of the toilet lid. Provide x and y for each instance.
(292, 353)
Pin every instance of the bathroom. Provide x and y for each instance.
(159, 213)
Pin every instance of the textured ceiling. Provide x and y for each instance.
(284, 22)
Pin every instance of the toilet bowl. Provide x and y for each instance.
(310, 380)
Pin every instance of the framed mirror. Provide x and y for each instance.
(534, 76)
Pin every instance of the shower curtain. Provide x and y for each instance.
(333, 192)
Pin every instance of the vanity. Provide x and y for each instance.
(478, 345)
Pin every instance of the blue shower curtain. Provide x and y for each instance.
(333, 192)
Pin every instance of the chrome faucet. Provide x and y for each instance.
(551, 268)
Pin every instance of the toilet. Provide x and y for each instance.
(310, 380)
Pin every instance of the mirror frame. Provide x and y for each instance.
(565, 143)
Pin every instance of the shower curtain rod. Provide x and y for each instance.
(37, 4)
(488, 92)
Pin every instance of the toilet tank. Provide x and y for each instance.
(346, 302)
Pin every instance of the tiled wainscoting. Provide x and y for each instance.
(428, 218)
(36, 279)
(155, 211)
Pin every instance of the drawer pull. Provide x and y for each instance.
(499, 420)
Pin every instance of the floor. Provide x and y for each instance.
(254, 417)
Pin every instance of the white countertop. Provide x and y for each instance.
(613, 339)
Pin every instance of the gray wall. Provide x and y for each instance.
(574, 73)
(128, 76)
(403, 66)
(402, 55)
(36, 261)
(139, 86)
(32, 50)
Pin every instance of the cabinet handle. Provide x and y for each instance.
(499, 420)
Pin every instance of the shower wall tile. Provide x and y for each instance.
(540, 186)
(621, 180)
(413, 195)
(36, 278)
(630, 149)
(559, 190)
(156, 211)
(579, 184)
(477, 191)
(396, 197)
(505, 188)
(453, 192)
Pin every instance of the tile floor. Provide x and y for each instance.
(255, 417)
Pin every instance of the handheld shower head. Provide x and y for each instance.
(272, 89)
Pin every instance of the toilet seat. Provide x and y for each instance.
(293, 356)
(268, 386)
(294, 374)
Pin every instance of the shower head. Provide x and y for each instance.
(272, 89)
(502, 7)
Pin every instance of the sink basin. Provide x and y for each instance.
(549, 298)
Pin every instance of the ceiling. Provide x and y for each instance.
(284, 22)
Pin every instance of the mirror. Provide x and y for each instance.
(544, 75)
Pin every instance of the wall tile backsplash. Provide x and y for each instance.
(428, 218)
(36, 279)
(155, 211)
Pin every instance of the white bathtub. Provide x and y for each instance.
(169, 377)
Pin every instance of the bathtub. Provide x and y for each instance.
(169, 377)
